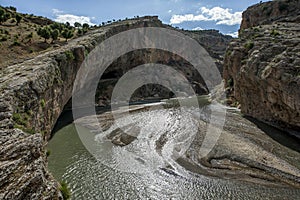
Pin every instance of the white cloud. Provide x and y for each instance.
(234, 34)
(197, 29)
(56, 11)
(169, 11)
(63, 18)
(220, 15)
(177, 19)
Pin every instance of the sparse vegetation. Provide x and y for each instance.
(274, 33)
(43, 103)
(70, 55)
(48, 153)
(23, 36)
(4, 16)
(65, 191)
(249, 45)
(21, 121)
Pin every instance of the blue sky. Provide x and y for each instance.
(223, 15)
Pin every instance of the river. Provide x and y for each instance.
(89, 178)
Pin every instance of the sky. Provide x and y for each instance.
(223, 15)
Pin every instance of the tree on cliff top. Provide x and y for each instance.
(44, 33)
(54, 35)
(4, 15)
(18, 18)
(67, 33)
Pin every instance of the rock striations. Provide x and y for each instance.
(262, 66)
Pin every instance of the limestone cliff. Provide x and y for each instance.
(33, 94)
(262, 66)
(214, 42)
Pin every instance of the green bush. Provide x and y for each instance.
(249, 45)
(274, 33)
(18, 118)
(3, 38)
(18, 18)
(54, 34)
(70, 55)
(16, 43)
(43, 103)
(67, 34)
(48, 153)
(65, 191)
(44, 33)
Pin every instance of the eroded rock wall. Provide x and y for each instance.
(262, 66)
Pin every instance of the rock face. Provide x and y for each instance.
(33, 94)
(262, 66)
(214, 42)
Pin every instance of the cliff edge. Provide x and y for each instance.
(262, 66)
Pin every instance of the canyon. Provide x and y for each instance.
(261, 74)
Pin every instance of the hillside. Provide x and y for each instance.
(20, 39)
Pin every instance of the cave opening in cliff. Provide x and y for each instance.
(136, 58)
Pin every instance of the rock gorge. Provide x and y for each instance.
(34, 93)
(261, 72)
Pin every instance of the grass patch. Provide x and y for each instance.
(70, 55)
(24, 129)
(65, 191)
(21, 121)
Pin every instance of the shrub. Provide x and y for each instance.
(249, 45)
(18, 18)
(4, 15)
(65, 191)
(3, 38)
(43, 103)
(16, 42)
(17, 117)
(48, 153)
(12, 8)
(70, 55)
(274, 33)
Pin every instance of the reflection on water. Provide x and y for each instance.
(90, 179)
